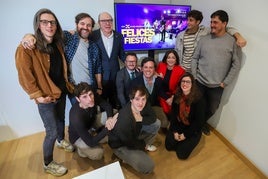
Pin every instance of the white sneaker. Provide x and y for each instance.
(67, 146)
(150, 148)
(55, 169)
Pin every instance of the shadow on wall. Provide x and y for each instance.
(214, 120)
(6, 133)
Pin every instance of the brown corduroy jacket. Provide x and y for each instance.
(33, 72)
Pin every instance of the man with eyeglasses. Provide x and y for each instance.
(82, 54)
(42, 73)
(111, 44)
(125, 76)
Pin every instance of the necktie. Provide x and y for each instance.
(132, 75)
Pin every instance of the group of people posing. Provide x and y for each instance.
(126, 106)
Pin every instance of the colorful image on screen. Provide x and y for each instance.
(150, 26)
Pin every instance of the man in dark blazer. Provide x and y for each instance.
(125, 76)
(110, 43)
(153, 84)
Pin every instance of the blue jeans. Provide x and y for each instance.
(149, 132)
(53, 117)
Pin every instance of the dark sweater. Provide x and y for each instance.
(196, 119)
(81, 120)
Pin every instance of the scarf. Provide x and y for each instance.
(184, 110)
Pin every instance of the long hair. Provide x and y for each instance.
(41, 42)
(194, 94)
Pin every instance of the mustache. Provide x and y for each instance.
(83, 29)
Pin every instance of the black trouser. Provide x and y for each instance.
(183, 148)
(212, 97)
(109, 93)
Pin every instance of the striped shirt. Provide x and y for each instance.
(188, 44)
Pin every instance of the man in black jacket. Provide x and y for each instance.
(83, 119)
(135, 132)
(153, 85)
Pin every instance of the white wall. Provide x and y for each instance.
(242, 117)
(18, 114)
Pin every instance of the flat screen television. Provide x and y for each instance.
(150, 26)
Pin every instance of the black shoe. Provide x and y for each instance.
(206, 130)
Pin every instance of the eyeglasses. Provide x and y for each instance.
(186, 81)
(46, 22)
(131, 61)
(106, 21)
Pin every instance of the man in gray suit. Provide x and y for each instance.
(124, 77)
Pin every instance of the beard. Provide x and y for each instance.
(83, 35)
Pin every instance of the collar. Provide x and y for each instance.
(109, 37)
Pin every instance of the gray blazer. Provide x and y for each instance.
(123, 83)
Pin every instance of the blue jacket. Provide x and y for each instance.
(110, 65)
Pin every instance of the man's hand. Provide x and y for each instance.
(170, 100)
(45, 100)
(111, 121)
(240, 40)
(28, 41)
(99, 91)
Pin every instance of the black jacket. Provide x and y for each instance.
(124, 133)
(196, 118)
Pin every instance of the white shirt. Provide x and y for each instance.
(108, 42)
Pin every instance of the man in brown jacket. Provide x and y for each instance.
(43, 76)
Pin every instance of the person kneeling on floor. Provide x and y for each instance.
(135, 131)
(85, 130)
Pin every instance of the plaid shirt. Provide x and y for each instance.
(94, 61)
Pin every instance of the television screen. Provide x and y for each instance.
(150, 26)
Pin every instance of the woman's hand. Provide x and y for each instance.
(179, 137)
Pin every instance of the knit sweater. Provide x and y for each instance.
(216, 60)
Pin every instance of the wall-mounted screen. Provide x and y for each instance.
(150, 26)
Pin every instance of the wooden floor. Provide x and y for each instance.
(22, 158)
